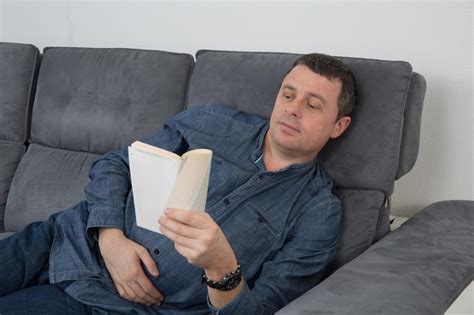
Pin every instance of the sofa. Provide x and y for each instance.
(63, 108)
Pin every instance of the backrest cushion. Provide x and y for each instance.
(90, 101)
(365, 157)
(96, 100)
(18, 69)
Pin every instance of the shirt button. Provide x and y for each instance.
(156, 251)
(226, 201)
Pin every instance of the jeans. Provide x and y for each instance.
(24, 278)
(41, 299)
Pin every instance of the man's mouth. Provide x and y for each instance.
(288, 126)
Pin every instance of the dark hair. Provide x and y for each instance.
(332, 68)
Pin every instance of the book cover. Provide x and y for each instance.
(162, 179)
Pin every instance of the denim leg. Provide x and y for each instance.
(42, 299)
(24, 257)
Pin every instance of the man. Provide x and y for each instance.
(269, 230)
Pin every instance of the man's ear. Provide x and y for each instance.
(340, 126)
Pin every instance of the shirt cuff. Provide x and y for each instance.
(104, 217)
(218, 311)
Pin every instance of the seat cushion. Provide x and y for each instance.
(11, 154)
(47, 180)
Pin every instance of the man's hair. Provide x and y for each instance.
(333, 69)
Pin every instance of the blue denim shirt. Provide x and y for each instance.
(283, 226)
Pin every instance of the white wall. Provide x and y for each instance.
(435, 37)
(1, 20)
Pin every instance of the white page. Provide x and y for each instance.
(153, 177)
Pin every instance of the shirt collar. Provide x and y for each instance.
(257, 155)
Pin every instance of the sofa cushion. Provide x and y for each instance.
(18, 69)
(47, 180)
(90, 101)
(18, 65)
(360, 215)
(365, 157)
(97, 100)
(11, 154)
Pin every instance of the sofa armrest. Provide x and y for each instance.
(420, 268)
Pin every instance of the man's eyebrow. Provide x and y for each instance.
(292, 88)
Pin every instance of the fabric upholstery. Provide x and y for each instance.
(47, 180)
(366, 157)
(18, 65)
(10, 154)
(97, 100)
(6, 234)
(420, 268)
(90, 101)
(412, 125)
(18, 69)
(360, 215)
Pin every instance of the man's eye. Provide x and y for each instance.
(287, 96)
(312, 106)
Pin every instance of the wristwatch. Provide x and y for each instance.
(228, 282)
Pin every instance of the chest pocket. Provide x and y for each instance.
(249, 233)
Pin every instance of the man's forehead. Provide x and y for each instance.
(303, 77)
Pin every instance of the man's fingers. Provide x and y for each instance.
(150, 289)
(178, 230)
(191, 218)
(178, 239)
(141, 296)
(129, 294)
(149, 263)
(178, 227)
(121, 291)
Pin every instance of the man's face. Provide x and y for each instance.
(305, 113)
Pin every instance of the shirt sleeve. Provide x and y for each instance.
(109, 185)
(298, 266)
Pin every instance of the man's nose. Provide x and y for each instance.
(294, 108)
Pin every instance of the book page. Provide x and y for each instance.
(190, 192)
(200, 201)
(153, 178)
(155, 150)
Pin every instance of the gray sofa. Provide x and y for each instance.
(62, 109)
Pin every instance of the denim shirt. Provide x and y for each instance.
(283, 226)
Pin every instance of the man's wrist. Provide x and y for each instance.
(217, 273)
(228, 283)
(105, 232)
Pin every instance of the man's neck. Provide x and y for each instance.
(275, 159)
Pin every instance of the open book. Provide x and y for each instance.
(162, 179)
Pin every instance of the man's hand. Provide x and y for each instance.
(198, 238)
(123, 259)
